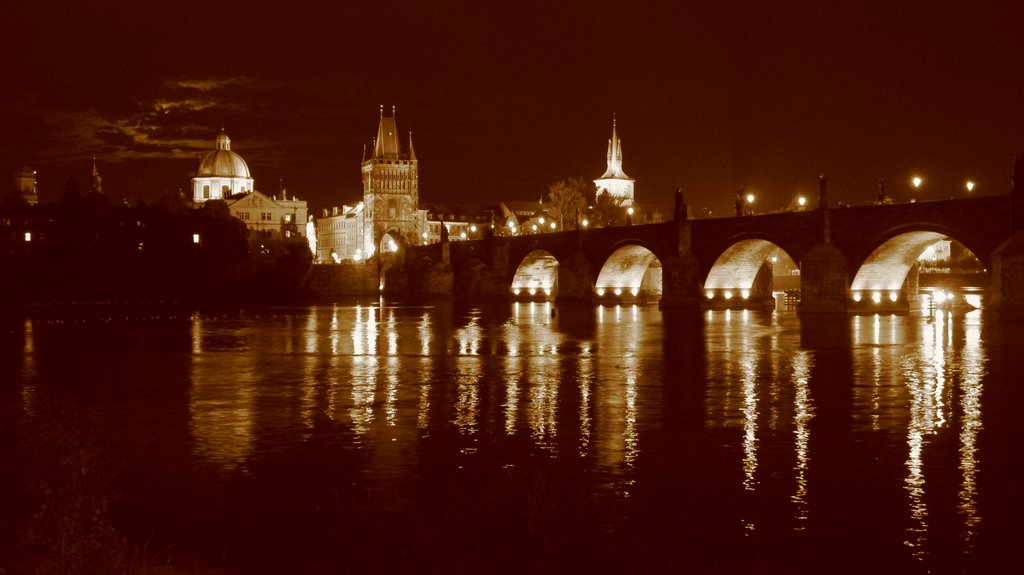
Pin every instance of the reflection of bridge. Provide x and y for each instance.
(849, 259)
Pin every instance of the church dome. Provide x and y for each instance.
(222, 162)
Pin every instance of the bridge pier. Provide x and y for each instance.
(824, 281)
(575, 281)
(680, 283)
(1008, 276)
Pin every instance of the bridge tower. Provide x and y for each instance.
(390, 189)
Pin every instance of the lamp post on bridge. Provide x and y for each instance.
(916, 181)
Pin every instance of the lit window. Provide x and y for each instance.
(28, 236)
(195, 238)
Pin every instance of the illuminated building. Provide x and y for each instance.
(338, 233)
(389, 213)
(25, 186)
(224, 175)
(615, 181)
(390, 190)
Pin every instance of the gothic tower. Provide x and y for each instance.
(614, 180)
(390, 190)
(95, 181)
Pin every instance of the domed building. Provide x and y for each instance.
(222, 173)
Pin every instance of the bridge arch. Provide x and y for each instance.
(536, 276)
(886, 279)
(632, 272)
(743, 275)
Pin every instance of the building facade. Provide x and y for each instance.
(614, 180)
(224, 175)
(25, 186)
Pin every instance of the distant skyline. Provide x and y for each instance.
(504, 99)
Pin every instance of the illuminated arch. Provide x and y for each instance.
(536, 275)
(886, 268)
(390, 242)
(630, 270)
(738, 266)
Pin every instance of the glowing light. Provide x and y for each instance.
(893, 296)
(472, 229)
(745, 293)
(357, 256)
(940, 296)
(462, 235)
(515, 291)
(541, 220)
(618, 291)
(876, 297)
(774, 259)
(727, 294)
(547, 291)
(600, 291)
(512, 225)
(634, 291)
(585, 222)
(552, 225)
(750, 198)
(970, 186)
(856, 296)
(916, 181)
(424, 235)
(801, 201)
(195, 238)
(514, 230)
(533, 227)
(533, 291)
(28, 236)
(629, 210)
(710, 294)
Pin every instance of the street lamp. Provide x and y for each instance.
(969, 186)
(629, 216)
(916, 181)
(801, 201)
(750, 204)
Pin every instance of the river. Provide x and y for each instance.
(380, 437)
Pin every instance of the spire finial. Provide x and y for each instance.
(393, 110)
(382, 111)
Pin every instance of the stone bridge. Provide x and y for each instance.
(849, 259)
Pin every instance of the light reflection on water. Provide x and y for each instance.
(903, 395)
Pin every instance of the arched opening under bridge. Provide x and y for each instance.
(536, 278)
(747, 274)
(631, 274)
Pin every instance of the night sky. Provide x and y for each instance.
(506, 98)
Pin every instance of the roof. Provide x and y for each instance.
(222, 162)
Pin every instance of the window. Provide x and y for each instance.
(243, 215)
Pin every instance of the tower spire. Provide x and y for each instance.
(95, 182)
(412, 152)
